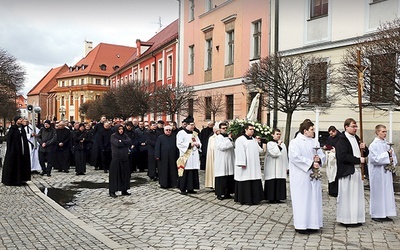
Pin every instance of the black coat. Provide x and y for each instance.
(64, 136)
(140, 137)
(120, 146)
(17, 162)
(151, 139)
(345, 158)
(167, 153)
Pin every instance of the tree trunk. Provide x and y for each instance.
(287, 129)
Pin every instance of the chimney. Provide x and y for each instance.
(88, 46)
(138, 47)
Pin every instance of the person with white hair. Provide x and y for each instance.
(166, 155)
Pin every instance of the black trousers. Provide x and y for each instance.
(151, 167)
(49, 157)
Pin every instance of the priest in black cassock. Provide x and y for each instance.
(204, 136)
(166, 154)
(17, 165)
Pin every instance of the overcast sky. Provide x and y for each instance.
(45, 34)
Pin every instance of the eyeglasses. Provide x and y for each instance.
(167, 129)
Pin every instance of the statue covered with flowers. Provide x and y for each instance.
(236, 127)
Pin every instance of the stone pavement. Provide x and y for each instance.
(155, 218)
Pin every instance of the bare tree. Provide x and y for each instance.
(379, 55)
(299, 80)
(212, 104)
(12, 77)
(174, 100)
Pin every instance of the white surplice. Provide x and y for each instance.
(247, 153)
(224, 156)
(34, 153)
(382, 202)
(276, 161)
(183, 141)
(350, 199)
(306, 193)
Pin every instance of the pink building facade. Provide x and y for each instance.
(219, 40)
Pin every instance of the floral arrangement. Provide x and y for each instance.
(236, 127)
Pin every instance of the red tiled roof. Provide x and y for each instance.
(163, 37)
(110, 55)
(48, 81)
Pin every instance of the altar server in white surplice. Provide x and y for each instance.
(306, 192)
(224, 163)
(248, 187)
(382, 202)
(34, 153)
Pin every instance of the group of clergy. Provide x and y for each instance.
(233, 167)
(349, 154)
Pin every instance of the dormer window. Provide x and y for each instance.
(103, 67)
(76, 68)
(83, 66)
(71, 69)
(116, 67)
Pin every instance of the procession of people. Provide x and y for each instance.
(174, 156)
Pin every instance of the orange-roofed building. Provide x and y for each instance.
(87, 79)
(154, 62)
(38, 95)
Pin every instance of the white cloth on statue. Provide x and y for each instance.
(350, 200)
(34, 153)
(209, 180)
(276, 161)
(306, 193)
(330, 165)
(247, 153)
(224, 159)
(183, 141)
(382, 201)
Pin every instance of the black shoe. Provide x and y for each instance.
(352, 225)
(220, 198)
(113, 195)
(66, 171)
(312, 231)
(191, 192)
(42, 173)
(302, 231)
(388, 219)
(48, 175)
(183, 192)
(155, 179)
(125, 193)
(59, 170)
(105, 171)
(379, 219)
(228, 196)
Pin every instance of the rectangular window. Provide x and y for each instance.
(209, 54)
(153, 72)
(97, 97)
(82, 81)
(62, 101)
(231, 46)
(169, 66)
(229, 107)
(208, 5)
(72, 83)
(71, 100)
(318, 8)
(257, 39)
(63, 84)
(141, 74)
(208, 108)
(191, 10)
(97, 81)
(146, 74)
(135, 76)
(318, 82)
(82, 99)
(383, 78)
(191, 59)
(160, 70)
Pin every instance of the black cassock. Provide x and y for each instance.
(17, 163)
(167, 153)
(80, 144)
(120, 172)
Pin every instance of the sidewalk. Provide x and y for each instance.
(154, 218)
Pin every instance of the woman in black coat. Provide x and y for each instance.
(119, 177)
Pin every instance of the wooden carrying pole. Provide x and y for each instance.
(360, 79)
